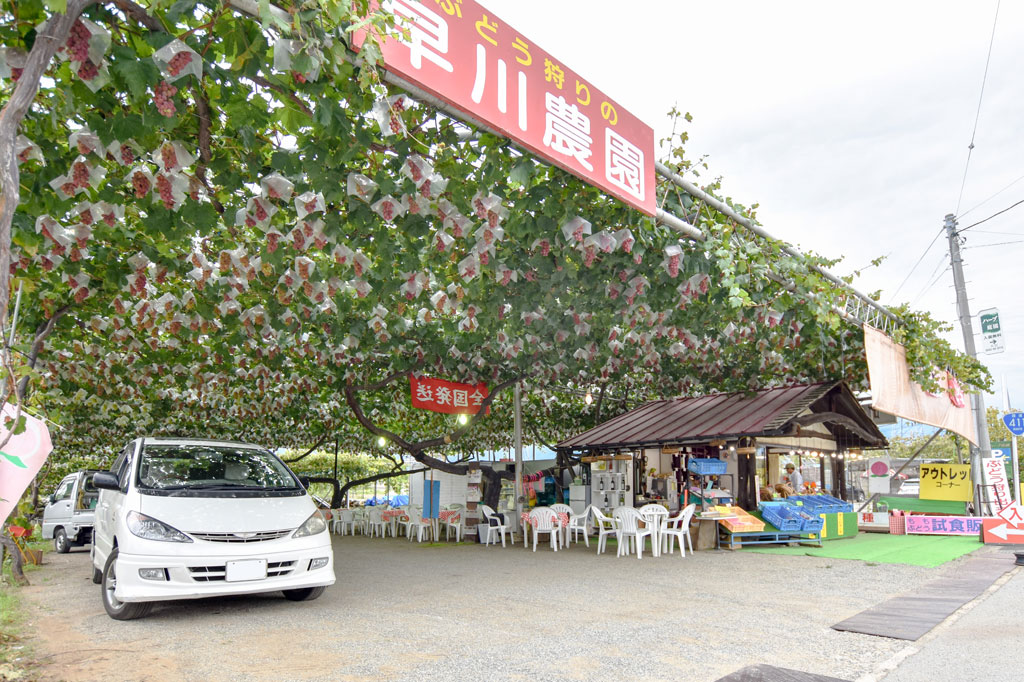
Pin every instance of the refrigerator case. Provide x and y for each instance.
(579, 498)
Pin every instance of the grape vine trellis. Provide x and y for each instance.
(222, 225)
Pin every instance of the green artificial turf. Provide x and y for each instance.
(881, 548)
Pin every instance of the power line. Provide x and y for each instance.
(979, 205)
(982, 246)
(892, 297)
(927, 287)
(985, 220)
(977, 115)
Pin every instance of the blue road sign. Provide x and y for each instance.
(1015, 422)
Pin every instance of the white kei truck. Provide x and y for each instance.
(71, 512)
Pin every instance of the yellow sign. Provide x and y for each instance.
(946, 482)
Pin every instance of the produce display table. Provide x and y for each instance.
(769, 536)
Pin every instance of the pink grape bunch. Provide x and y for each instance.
(77, 45)
(141, 184)
(80, 174)
(179, 62)
(87, 71)
(127, 155)
(168, 157)
(162, 98)
(163, 187)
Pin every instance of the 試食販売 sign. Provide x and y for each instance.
(462, 53)
(943, 525)
(946, 482)
(448, 397)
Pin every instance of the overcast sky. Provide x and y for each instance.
(849, 124)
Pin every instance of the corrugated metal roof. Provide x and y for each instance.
(713, 416)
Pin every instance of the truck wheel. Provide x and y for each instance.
(61, 542)
(119, 610)
(304, 593)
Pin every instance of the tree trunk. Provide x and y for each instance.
(16, 571)
(50, 37)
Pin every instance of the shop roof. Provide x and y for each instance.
(768, 412)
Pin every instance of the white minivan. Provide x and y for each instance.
(187, 518)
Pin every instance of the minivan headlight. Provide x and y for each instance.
(313, 525)
(148, 528)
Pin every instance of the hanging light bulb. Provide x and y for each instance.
(382, 441)
(791, 453)
(463, 419)
(588, 398)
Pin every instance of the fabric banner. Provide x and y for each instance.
(893, 392)
(21, 458)
(449, 397)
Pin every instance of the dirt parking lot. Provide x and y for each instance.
(403, 611)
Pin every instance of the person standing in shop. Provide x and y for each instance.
(794, 478)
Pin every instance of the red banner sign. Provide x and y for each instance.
(449, 397)
(462, 53)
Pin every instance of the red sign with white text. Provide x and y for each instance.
(1006, 529)
(449, 397)
(465, 55)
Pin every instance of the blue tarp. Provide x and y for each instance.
(396, 501)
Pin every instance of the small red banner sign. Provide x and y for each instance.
(467, 56)
(449, 397)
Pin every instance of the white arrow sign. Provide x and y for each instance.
(1003, 531)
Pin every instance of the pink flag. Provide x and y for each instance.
(21, 458)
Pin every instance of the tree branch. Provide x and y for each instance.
(308, 452)
(42, 332)
(49, 38)
(263, 82)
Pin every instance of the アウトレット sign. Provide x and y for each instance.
(946, 482)
(448, 397)
(467, 56)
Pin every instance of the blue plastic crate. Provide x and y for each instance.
(823, 504)
(706, 466)
(812, 524)
(782, 518)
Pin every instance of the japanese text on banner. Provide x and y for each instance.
(448, 397)
(467, 56)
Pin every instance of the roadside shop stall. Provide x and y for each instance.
(727, 453)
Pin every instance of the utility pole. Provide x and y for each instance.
(963, 309)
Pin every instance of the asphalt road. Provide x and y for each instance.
(403, 611)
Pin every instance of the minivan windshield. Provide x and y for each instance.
(201, 466)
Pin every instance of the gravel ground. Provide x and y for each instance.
(403, 611)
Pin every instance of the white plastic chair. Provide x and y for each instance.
(605, 526)
(545, 520)
(344, 521)
(454, 523)
(412, 513)
(578, 523)
(491, 529)
(654, 516)
(628, 528)
(567, 510)
(419, 524)
(678, 526)
(377, 525)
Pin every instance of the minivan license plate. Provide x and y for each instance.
(250, 569)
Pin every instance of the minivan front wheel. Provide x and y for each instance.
(116, 609)
(60, 541)
(304, 593)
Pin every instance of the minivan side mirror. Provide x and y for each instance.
(105, 481)
(53, 497)
(304, 481)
